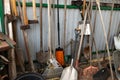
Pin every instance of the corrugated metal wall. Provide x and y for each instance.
(73, 16)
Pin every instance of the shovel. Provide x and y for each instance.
(41, 56)
(24, 19)
(54, 69)
(69, 73)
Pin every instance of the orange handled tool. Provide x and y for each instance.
(25, 18)
(34, 9)
(14, 8)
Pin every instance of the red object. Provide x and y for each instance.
(60, 56)
(91, 70)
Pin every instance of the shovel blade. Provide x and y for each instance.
(42, 57)
(69, 73)
(117, 42)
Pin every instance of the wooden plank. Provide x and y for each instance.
(4, 45)
(12, 65)
(79, 3)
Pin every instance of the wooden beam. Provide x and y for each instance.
(79, 3)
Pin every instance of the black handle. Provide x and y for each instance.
(58, 24)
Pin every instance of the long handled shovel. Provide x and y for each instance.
(25, 37)
(69, 73)
(41, 55)
(24, 23)
(54, 69)
(103, 26)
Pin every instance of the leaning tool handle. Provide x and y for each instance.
(93, 40)
(14, 8)
(52, 59)
(41, 39)
(65, 11)
(34, 9)
(25, 22)
(75, 45)
(28, 51)
(83, 10)
(20, 11)
(110, 22)
(94, 24)
(58, 25)
(110, 25)
(49, 29)
(83, 29)
(25, 19)
(103, 26)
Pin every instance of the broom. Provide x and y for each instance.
(59, 51)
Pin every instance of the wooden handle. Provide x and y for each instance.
(25, 19)
(65, 12)
(28, 51)
(13, 7)
(20, 11)
(12, 65)
(81, 40)
(34, 10)
(20, 59)
(105, 35)
(41, 41)
(83, 11)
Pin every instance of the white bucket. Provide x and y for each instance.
(117, 42)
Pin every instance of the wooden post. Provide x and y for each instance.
(12, 65)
